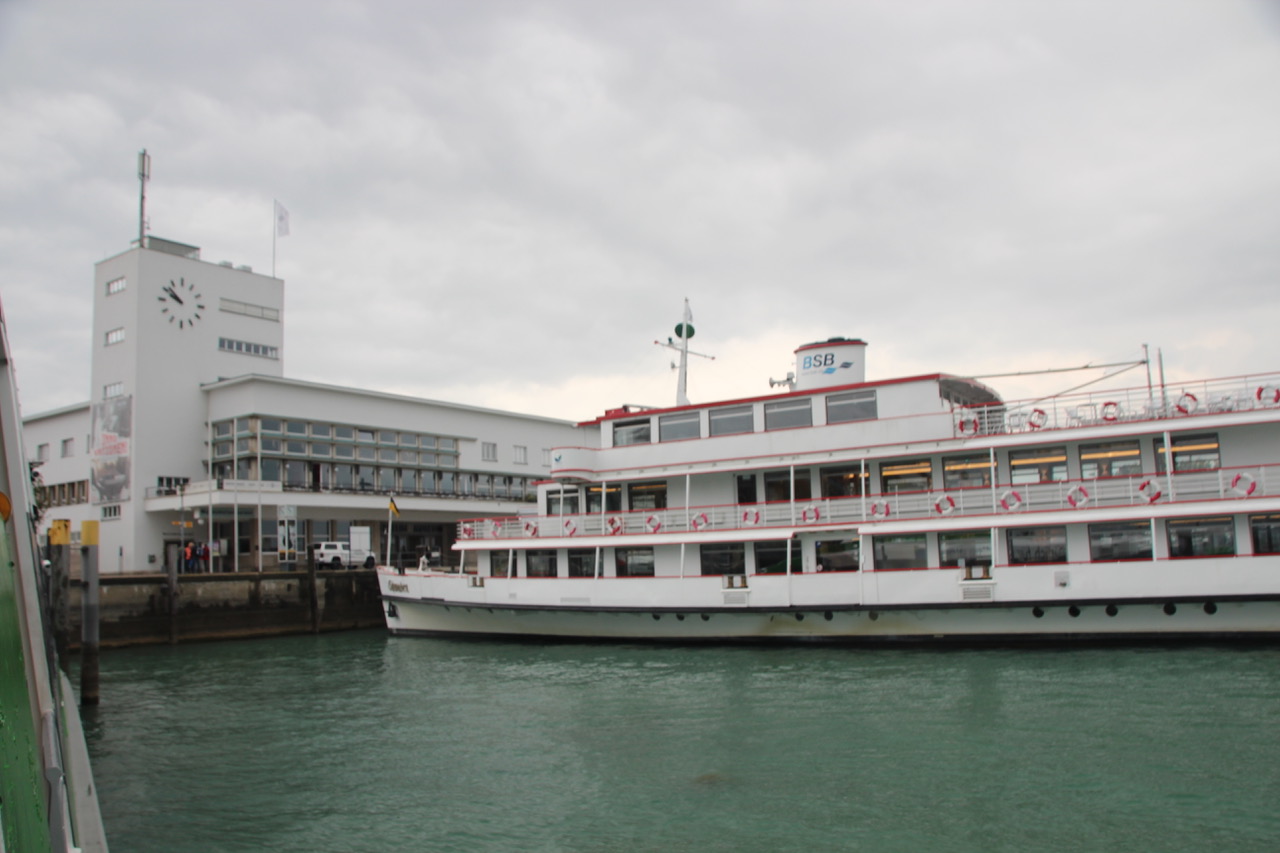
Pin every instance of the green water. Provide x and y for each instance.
(361, 742)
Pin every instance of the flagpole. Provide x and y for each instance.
(391, 502)
(275, 231)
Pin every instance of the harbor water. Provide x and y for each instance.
(362, 742)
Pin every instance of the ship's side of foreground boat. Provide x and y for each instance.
(923, 508)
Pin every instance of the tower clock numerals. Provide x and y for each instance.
(180, 302)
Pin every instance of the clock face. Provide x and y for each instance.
(180, 302)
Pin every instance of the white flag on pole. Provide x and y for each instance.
(282, 221)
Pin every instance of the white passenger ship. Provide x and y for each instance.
(923, 508)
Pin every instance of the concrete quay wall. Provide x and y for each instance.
(136, 609)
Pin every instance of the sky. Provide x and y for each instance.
(504, 204)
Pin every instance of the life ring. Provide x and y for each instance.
(811, 511)
(879, 508)
(699, 521)
(751, 517)
(944, 505)
(468, 531)
(1187, 403)
(570, 527)
(1110, 410)
(531, 528)
(495, 528)
(1078, 496)
(1010, 500)
(1037, 419)
(1150, 491)
(615, 525)
(1268, 394)
(1243, 484)
(967, 426)
(653, 523)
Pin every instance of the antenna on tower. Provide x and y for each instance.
(684, 331)
(144, 175)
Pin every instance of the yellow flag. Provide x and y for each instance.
(395, 509)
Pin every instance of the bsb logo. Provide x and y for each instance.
(823, 361)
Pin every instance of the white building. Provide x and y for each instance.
(192, 432)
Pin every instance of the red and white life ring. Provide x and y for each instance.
(751, 517)
(967, 426)
(1010, 500)
(653, 523)
(615, 525)
(1150, 491)
(570, 527)
(699, 521)
(531, 528)
(1077, 496)
(1110, 410)
(879, 509)
(1187, 403)
(495, 528)
(468, 531)
(1268, 395)
(944, 505)
(1243, 484)
(1037, 419)
(811, 513)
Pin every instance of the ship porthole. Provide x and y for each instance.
(799, 617)
(1210, 608)
(829, 616)
(1170, 609)
(1037, 612)
(680, 617)
(873, 615)
(393, 613)
(1073, 610)
(706, 618)
(1112, 610)
(656, 617)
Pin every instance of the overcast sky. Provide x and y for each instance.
(505, 203)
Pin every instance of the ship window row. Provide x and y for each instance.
(969, 549)
(734, 420)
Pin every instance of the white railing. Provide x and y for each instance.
(1140, 490)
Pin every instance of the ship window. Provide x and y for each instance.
(647, 495)
(1266, 533)
(841, 482)
(909, 475)
(678, 426)
(731, 420)
(965, 548)
(499, 564)
(540, 563)
(747, 489)
(788, 414)
(631, 432)
(966, 472)
(723, 558)
(1120, 540)
(1113, 459)
(1190, 453)
(777, 485)
(854, 406)
(771, 557)
(612, 498)
(904, 551)
(633, 562)
(1039, 465)
(582, 562)
(1201, 537)
(837, 555)
(1037, 545)
(562, 503)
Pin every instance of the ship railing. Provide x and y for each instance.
(1219, 484)
(1101, 408)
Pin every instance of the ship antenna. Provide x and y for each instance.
(684, 331)
(144, 175)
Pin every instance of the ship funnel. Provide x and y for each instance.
(835, 361)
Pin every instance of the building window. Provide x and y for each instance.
(965, 549)
(68, 448)
(903, 551)
(911, 475)
(837, 555)
(115, 336)
(582, 562)
(1120, 540)
(1113, 459)
(248, 309)
(488, 451)
(546, 457)
(113, 389)
(854, 406)
(1028, 545)
(540, 563)
(1266, 533)
(731, 420)
(520, 454)
(771, 557)
(1042, 465)
(248, 348)
(111, 511)
(631, 432)
(724, 558)
(788, 414)
(966, 472)
(633, 562)
(1202, 537)
(42, 452)
(116, 285)
(678, 426)
(1190, 453)
(647, 495)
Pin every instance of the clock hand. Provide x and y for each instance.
(173, 295)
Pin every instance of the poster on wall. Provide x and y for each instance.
(111, 433)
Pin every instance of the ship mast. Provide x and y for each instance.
(684, 331)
